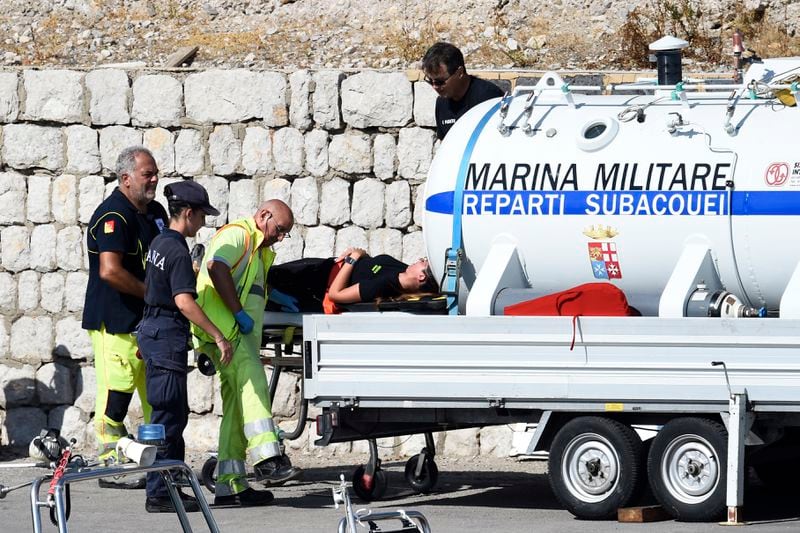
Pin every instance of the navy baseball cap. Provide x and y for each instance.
(191, 193)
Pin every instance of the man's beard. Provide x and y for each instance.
(147, 196)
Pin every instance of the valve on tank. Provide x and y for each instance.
(704, 302)
(674, 121)
(504, 129)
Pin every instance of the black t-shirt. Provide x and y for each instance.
(116, 226)
(169, 271)
(448, 111)
(377, 277)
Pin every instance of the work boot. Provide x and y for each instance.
(276, 470)
(131, 481)
(247, 498)
(164, 504)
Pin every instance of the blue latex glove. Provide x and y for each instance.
(245, 322)
(287, 302)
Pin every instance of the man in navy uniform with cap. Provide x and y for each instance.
(163, 333)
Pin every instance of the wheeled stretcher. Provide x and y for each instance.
(282, 349)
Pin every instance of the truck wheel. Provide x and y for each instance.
(427, 478)
(595, 466)
(207, 474)
(369, 490)
(686, 465)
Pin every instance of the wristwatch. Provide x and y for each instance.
(349, 260)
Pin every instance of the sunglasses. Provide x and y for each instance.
(278, 228)
(440, 83)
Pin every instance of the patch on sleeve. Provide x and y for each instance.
(108, 226)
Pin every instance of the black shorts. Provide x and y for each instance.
(305, 279)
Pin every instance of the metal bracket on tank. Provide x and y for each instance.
(527, 129)
(565, 90)
(501, 269)
(695, 266)
(679, 93)
(505, 103)
(790, 299)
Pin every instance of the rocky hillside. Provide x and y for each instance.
(292, 34)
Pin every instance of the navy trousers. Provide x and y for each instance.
(163, 343)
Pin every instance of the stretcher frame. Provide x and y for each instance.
(165, 467)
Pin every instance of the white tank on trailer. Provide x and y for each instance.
(658, 189)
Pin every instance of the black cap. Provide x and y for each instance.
(191, 193)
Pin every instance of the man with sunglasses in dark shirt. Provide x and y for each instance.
(458, 91)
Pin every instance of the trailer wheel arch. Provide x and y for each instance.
(553, 425)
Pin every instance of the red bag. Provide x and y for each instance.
(589, 299)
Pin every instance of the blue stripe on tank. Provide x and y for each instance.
(659, 203)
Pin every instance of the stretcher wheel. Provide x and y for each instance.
(207, 474)
(427, 478)
(687, 468)
(369, 490)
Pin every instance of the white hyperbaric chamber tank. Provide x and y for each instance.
(664, 191)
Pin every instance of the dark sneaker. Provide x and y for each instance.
(276, 470)
(247, 498)
(164, 504)
(133, 481)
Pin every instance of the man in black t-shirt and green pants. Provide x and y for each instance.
(458, 91)
(117, 239)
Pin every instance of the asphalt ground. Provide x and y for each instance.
(503, 495)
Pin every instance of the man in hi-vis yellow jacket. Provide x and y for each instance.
(232, 291)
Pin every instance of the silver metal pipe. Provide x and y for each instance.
(35, 504)
(587, 88)
(691, 86)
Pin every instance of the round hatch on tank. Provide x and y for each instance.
(597, 133)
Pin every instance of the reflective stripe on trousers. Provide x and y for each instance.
(263, 433)
(263, 451)
(251, 429)
(231, 477)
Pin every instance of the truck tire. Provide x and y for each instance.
(596, 466)
(687, 468)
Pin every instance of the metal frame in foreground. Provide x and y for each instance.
(164, 466)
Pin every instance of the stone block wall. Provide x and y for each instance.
(348, 153)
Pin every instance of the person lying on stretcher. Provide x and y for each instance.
(317, 285)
